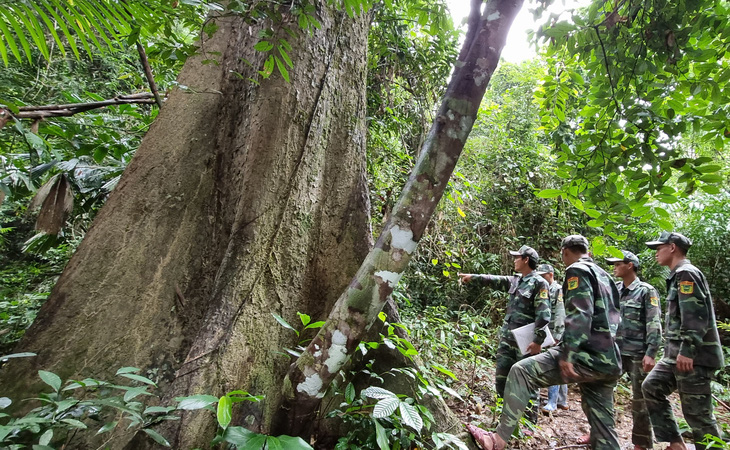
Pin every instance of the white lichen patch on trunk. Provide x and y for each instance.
(337, 354)
(494, 16)
(311, 386)
(389, 277)
(402, 239)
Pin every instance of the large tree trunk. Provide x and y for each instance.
(242, 201)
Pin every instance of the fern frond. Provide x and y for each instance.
(97, 25)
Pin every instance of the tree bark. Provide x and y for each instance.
(243, 200)
(358, 307)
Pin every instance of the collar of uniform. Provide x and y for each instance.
(585, 259)
(530, 275)
(679, 265)
(634, 284)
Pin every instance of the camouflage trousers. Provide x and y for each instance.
(543, 370)
(641, 433)
(508, 353)
(694, 394)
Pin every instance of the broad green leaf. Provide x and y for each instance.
(304, 318)
(244, 439)
(195, 402)
(380, 437)
(549, 193)
(294, 443)
(46, 437)
(410, 416)
(225, 411)
(139, 378)
(377, 392)
(385, 407)
(350, 393)
(75, 423)
(50, 379)
(157, 437)
(128, 370)
(284, 323)
(107, 427)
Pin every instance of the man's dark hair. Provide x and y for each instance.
(532, 263)
(579, 249)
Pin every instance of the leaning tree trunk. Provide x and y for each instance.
(359, 305)
(243, 200)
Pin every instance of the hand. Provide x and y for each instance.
(685, 364)
(464, 277)
(648, 363)
(568, 371)
(534, 348)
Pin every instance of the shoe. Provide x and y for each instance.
(564, 407)
(548, 408)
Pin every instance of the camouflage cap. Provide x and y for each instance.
(573, 240)
(628, 258)
(667, 237)
(526, 251)
(542, 269)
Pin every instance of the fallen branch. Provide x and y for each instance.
(42, 112)
(721, 402)
(571, 446)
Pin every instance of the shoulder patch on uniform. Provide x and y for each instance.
(572, 283)
(654, 301)
(543, 293)
(686, 287)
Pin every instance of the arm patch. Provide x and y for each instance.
(686, 287)
(572, 283)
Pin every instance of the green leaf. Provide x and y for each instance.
(410, 416)
(304, 318)
(157, 437)
(712, 178)
(377, 392)
(444, 370)
(75, 423)
(282, 70)
(294, 443)
(46, 437)
(195, 402)
(107, 427)
(127, 370)
(318, 324)
(385, 407)
(225, 411)
(549, 193)
(350, 393)
(159, 409)
(139, 378)
(284, 323)
(50, 379)
(244, 439)
(263, 46)
(135, 392)
(380, 437)
(17, 355)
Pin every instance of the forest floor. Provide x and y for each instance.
(560, 429)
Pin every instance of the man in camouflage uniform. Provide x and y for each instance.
(639, 337)
(588, 354)
(529, 302)
(692, 351)
(558, 394)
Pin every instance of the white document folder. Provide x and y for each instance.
(524, 335)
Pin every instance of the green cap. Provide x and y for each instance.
(628, 258)
(526, 251)
(667, 237)
(542, 269)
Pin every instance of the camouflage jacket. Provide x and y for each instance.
(557, 311)
(690, 321)
(528, 302)
(640, 332)
(591, 318)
